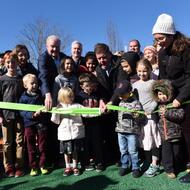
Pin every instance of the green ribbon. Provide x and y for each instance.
(34, 108)
(73, 111)
(169, 106)
(118, 108)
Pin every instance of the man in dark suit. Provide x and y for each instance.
(106, 71)
(48, 69)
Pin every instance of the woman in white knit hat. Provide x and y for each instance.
(174, 64)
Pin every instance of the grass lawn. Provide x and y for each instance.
(106, 180)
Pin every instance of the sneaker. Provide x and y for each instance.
(19, 173)
(99, 167)
(10, 172)
(92, 162)
(185, 178)
(76, 171)
(123, 171)
(89, 168)
(171, 175)
(152, 171)
(136, 173)
(144, 166)
(33, 172)
(67, 172)
(188, 170)
(44, 171)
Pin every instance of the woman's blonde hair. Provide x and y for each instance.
(65, 93)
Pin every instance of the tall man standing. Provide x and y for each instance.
(107, 71)
(48, 69)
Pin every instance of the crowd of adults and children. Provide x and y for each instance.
(150, 130)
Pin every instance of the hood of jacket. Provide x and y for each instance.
(163, 86)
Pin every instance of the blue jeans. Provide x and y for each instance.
(129, 151)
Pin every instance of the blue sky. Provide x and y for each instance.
(86, 20)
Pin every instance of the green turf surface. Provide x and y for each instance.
(106, 180)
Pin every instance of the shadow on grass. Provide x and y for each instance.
(92, 183)
(10, 186)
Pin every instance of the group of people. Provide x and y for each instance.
(150, 129)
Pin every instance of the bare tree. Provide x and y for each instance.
(113, 38)
(34, 37)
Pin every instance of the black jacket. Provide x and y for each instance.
(177, 70)
(107, 84)
(28, 68)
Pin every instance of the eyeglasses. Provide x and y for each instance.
(160, 39)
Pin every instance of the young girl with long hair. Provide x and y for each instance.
(150, 139)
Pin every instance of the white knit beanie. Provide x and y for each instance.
(164, 25)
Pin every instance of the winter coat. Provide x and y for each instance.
(106, 83)
(128, 122)
(70, 126)
(169, 123)
(176, 68)
(88, 100)
(28, 118)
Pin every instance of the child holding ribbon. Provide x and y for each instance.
(128, 128)
(89, 97)
(71, 131)
(169, 126)
(35, 129)
(150, 139)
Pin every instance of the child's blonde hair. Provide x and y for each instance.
(65, 93)
(28, 77)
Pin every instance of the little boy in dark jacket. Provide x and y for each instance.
(128, 128)
(89, 97)
(35, 130)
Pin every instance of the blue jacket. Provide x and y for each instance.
(28, 118)
(47, 72)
